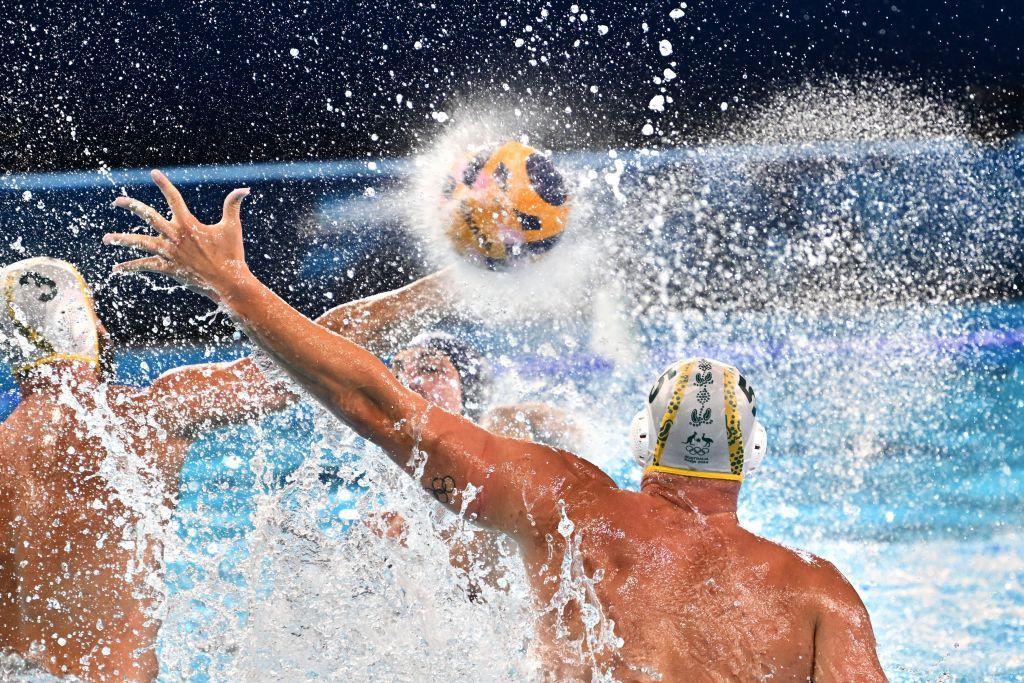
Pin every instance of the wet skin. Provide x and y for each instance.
(67, 574)
(693, 596)
(74, 560)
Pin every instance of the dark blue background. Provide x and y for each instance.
(158, 83)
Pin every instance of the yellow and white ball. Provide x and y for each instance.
(505, 205)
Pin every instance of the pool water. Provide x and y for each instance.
(895, 450)
(823, 271)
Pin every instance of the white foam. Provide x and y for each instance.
(552, 284)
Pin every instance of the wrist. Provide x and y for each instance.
(234, 283)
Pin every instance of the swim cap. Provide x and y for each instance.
(700, 421)
(46, 314)
(474, 371)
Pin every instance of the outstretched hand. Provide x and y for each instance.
(203, 257)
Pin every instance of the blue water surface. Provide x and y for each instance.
(925, 521)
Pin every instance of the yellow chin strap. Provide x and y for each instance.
(693, 473)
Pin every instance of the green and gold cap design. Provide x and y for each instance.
(700, 421)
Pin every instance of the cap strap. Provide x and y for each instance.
(693, 473)
(53, 357)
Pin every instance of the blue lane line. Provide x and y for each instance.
(348, 168)
(189, 175)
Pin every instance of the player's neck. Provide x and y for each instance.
(60, 375)
(705, 497)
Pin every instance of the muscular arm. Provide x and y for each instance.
(385, 322)
(844, 642)
(196, 398)
(517, 484)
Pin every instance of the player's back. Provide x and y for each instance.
(76, 554)
(693, 598)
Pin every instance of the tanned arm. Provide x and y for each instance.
(385, 322)
(196, 398)
(516, 485)
(510, 477)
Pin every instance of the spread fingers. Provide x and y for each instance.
(148, 214)
(153, 264)
(154, 245)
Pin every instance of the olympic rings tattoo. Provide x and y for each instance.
(443, 489)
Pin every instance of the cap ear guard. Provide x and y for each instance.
(639, 437)
(757, 446)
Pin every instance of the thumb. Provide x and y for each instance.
(233, 205)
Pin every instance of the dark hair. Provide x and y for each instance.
(474, 370)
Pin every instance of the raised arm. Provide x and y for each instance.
(450, 456)
(386, 322)
(195, 398)
(515, 485)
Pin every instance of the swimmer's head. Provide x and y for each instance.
(431, 374)
(700, 421)
(46, 315)
(471, 367)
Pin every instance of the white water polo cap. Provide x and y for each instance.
(700, 421)
(47, 314)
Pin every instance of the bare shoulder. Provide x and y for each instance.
(512, 451)
(593, 476)
(836, 596)
(821, 579)
(583, 475)
(20, 434)
(844, 640)
(824, 578)
(21, 427)
(824, 591)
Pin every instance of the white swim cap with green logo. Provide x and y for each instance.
(46, 314)
(700, 421)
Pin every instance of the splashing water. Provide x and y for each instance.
(842, 246)
(326, 597)
(548, 287)
(575, 588)
(834, 273)
(136, 484)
